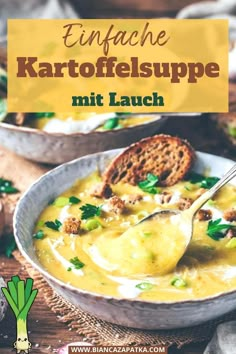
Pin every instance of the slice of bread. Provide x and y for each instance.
(168, 157)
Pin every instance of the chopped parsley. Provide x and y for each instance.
(89, 211)
(54, 225)
(204, 182)
(149, 184)
(39, 235)
(76, 263)
(69, 269)
(74, 200)
(7, 187)
(144, 286)
(111, 123)
(178, 282)
(216, 230)
(8, 245)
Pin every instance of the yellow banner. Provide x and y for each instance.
(118, 65)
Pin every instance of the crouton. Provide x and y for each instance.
(184, 203)
(167, 157)
(230, 215)
(101, 190)
(116, 205)
(204, 214)
(71, 226)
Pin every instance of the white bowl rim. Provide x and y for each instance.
(72, 288)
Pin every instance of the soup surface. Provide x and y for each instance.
(74, 122)
(83, 241)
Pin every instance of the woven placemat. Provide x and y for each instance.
(100, 332)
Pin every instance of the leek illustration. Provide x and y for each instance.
(20, 296)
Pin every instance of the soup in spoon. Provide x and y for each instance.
(85, 241)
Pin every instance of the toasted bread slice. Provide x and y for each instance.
(167, 157)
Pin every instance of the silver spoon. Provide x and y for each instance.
(175, 228)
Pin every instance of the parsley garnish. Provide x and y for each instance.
(8, 245)
(149, 184)
(39, 235)
(6, 186)
(76, 263)
(111, 123)
(205, 182)
(54, 225)
(89, 211)
(216, 230)
(74, 200)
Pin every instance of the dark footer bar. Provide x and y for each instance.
(155, 349)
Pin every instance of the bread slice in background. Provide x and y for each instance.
(170, 158)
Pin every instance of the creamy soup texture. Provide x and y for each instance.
(74, 122)
(107, 257)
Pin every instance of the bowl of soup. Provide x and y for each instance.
(55, 138)
(79, 245)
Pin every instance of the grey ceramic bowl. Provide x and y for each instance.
(57, 148)
(131, 313)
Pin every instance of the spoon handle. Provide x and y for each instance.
(210, 193)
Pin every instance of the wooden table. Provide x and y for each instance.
(47, 334)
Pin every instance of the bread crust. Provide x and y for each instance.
(168, 157)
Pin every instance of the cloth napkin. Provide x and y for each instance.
(33, 9)
(224, 340)
(224, 9)
(3, 303)
(213, 9)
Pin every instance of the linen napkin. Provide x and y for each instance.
(213, 9)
